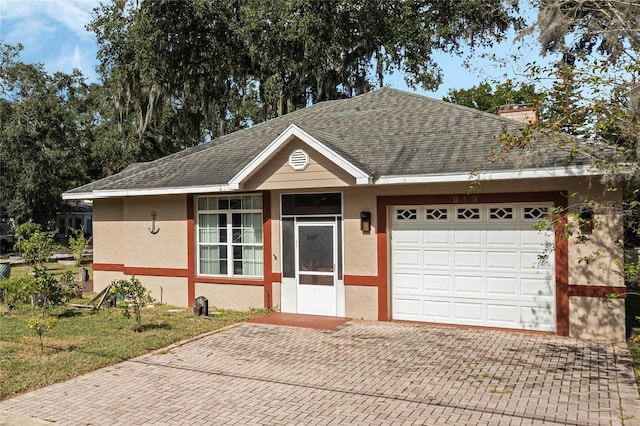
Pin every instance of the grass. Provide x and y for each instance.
(84, 341)
(54, 268)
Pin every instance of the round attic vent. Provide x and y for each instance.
(299, 159)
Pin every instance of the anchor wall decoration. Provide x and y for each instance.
(153, 228)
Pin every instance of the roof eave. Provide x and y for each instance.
(535, 173)
(139, 192)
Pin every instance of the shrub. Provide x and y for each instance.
(23, 233)
(38, 247)
(46, 284)
(17, 289)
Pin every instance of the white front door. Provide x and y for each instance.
(316, 260)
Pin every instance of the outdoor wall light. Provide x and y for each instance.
(586, 220)
(365, 222)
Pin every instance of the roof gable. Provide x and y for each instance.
(291, 133)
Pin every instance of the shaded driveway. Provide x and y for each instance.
(358, 373)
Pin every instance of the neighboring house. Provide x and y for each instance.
(363, 208)
(74, 216)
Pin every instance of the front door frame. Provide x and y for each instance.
(289, 285)
(315, 298)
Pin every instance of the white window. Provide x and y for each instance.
(229, 236)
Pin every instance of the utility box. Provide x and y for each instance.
(201, 306)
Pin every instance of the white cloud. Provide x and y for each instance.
(72, 14)
(74, 57)
(52, 32)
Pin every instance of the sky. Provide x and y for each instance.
(53, 33)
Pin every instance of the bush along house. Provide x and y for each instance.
(362, 208)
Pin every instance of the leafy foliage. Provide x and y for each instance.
(48, 287)
(38, 247)
(78, 242)
(40, 325)
(24, 231)
(180, 72)
(44, 136)
(506, 95)
(17, 289)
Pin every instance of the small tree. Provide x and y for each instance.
(38, 247)
(78, 243)
(134, 293)
(24, 233)
(40, 325)
(46, 285)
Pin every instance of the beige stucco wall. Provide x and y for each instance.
(108, 231)
(603, 246)
(277, 174)
(167, 290)
(276, 298)
(167, 248)
(102, 279)
(232, 296)
(360, 254)
(594, 318)
(361, 302)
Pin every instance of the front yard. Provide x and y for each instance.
(84, 340)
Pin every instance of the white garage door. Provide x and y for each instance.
(473, 265)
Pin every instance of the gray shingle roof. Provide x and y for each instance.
(385, 132)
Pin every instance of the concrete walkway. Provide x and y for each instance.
(360, 372)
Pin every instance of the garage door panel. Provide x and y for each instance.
(408, 281)
(480, 271)
(533, 238)
(468, 285)
(468, 259)
(407, 257)
(436, 259)
(537, 318)
(503, 286)
(436, 283)
(531, 261)
(502, 313)
(437, 310)
(468, 311)
(468, 237)
(537, 287)
(435, 237)
(501, 237)
(407, 308)
(502, 260)
(406, 237)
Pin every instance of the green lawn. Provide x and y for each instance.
(83, 341)
(55, 268)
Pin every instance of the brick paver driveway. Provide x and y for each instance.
(358, 373)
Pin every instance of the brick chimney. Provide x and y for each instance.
(523, 115)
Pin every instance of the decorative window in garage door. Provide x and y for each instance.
(502, 213)
(535, 212)
(437, 214)
(406, 214)
(467, 214)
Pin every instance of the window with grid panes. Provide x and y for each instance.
(229, 236)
